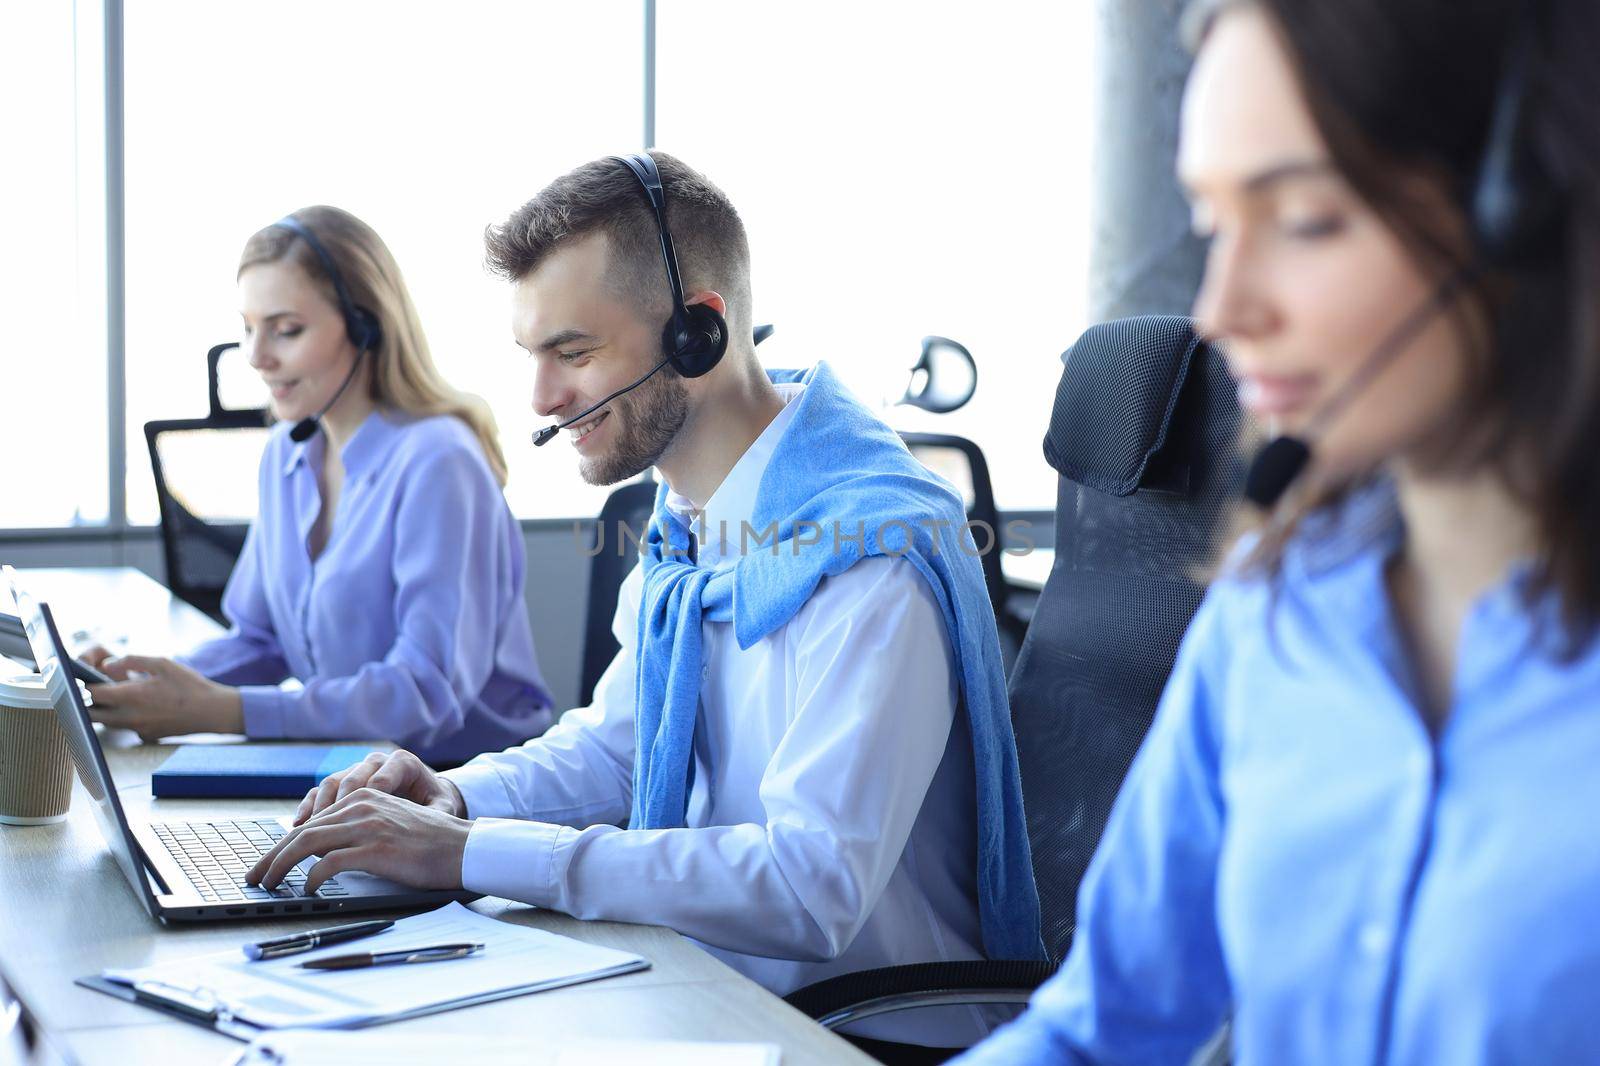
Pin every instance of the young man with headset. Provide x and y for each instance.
(805, 730)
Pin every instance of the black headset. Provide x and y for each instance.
(1516, 206)
(1516, 209)
(359, 323)
(696, 337)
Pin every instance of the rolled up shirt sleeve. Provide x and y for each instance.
(840, 793)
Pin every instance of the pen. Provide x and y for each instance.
(313, 938)
(437, 953)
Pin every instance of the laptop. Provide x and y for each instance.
(193, 870)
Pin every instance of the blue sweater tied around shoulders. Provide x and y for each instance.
(839, 469)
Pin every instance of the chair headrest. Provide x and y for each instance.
(1116, 398)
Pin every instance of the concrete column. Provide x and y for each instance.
(1143, 258)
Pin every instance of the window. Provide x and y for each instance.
(427, 122)
(52, 266)
(902, 171)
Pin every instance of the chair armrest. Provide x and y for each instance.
(851, 997)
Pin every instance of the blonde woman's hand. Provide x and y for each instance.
(161, 698)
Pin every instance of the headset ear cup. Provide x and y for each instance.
(365, 333)
(704, 345)
(1516, 208)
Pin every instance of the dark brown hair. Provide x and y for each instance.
(603, 196)
(1402, 93)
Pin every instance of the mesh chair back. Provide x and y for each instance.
(622, 524)
(206, 505)
(1143, 434)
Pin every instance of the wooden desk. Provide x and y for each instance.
(68, 912)
(118, 606)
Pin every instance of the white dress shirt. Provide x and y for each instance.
(831, 822)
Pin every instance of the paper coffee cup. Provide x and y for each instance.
(35, 766)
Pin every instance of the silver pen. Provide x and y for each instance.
(436, 953)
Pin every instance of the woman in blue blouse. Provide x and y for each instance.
(1364, 824)
(385, 571)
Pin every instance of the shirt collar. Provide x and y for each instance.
(372, 442)
(1339, 555)
(719, 526)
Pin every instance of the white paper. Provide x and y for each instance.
(277, 993)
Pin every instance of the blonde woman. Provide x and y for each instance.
(385, 570)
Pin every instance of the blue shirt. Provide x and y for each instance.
(1293, 846)
(411, 625)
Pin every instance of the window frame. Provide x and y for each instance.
(116, 526)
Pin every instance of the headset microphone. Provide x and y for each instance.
(1283, 458)
(304, 429)
(548, 433)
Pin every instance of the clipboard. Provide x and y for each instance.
(178, 1003)
(181, 1004)
(243, 999)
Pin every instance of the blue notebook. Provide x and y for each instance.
(251, 771)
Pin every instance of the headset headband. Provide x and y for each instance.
(359, 323)
(644, 168)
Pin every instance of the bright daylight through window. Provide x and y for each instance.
(914, 176)
(442, 125)
(52, 266)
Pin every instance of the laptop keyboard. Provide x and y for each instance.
(217, 855)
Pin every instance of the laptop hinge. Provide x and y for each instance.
(162, 888)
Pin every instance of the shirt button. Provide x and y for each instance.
(1374, 938)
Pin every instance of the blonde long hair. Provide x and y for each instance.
(403, 375)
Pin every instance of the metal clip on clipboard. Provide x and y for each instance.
(197, 1005)
(195, 1002)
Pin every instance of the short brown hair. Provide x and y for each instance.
(603, 196)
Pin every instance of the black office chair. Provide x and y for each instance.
(200, 543)
(1143, 436)
(961, 462)
(612, 556)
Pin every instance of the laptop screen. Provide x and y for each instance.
(49, 653)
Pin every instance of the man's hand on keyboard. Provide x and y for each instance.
(375, 832)
(399, 773)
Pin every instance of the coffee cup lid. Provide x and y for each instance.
(24, 689)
